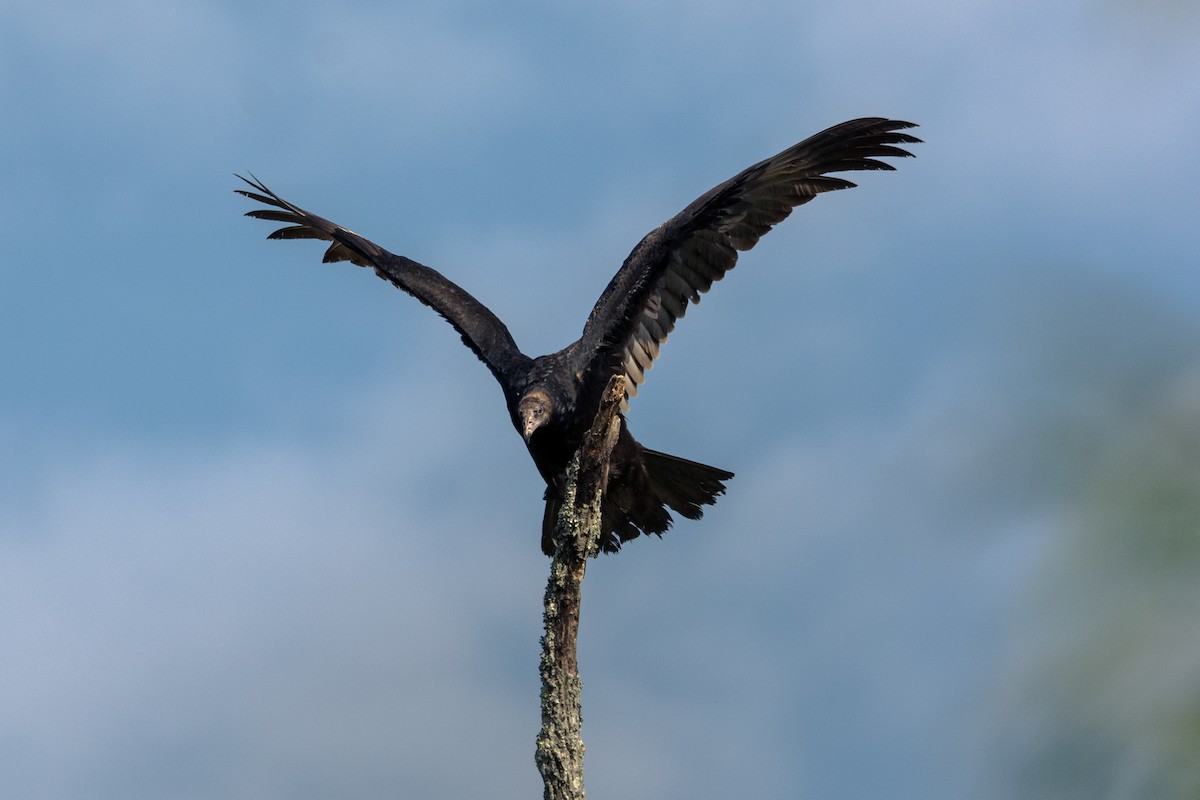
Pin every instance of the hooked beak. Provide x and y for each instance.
(534, 411)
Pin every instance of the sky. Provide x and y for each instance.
(265, 528)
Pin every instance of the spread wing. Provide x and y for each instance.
(480, 329)
(682, 259)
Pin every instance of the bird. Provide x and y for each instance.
(552, 399)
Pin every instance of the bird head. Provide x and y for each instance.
(534, 409)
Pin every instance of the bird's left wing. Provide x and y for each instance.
(480, 329)
(681, 260)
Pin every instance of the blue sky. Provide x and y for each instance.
(265, 530)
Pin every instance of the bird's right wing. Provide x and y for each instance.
(480, 329)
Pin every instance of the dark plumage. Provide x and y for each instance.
(552, 399)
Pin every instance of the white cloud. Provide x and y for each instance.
(267, 612)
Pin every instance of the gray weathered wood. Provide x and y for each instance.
(560, 743)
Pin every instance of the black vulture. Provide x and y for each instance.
(552, 399)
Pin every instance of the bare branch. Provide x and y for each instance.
(576, 537)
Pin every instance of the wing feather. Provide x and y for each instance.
(673, 265)
(479, 328)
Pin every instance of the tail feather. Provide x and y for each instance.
(685, 485)
(637, 503)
